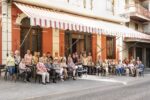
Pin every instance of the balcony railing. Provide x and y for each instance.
(138, 9)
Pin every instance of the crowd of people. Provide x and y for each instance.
(53, 67)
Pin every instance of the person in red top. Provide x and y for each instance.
(42, 70)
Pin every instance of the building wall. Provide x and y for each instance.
(47, 39)
(99, 8)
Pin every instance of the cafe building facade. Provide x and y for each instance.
(30, 25)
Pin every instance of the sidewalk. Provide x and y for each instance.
(20, 91)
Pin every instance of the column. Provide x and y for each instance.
(144, 56)
(134, 52)
(119, 48)
(94, 47)
(99, 44)
(55, 42)
(103, 47)
(61, 43)
(6, 30)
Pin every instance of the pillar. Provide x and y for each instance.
(55, 40)
(99, 45)
(61, 43)
(94, 47)
(6, 30)
(103, 47)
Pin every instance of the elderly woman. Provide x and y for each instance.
(71, 66)
(42, 70)
(25, 70)
(17, 59)
(63, 66)
(98, 65)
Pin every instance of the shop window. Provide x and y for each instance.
(110, 47)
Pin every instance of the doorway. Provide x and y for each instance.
(30, 37)
(139, 53)
(77, 42)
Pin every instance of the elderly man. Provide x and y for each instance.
(42, 70)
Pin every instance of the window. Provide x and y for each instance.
(109, 5)
(91, 4)
(127, 24)
(127, 2)
(84, 3)
(136, 26)
(110, 47)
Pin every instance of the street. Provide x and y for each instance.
(138, 90)
(86, 88)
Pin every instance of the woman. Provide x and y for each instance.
(35, 58)
(84, 61)
(131, 68)
(72, 67)
(28, 61)
(42, 70)
(25, 70)
(28, 58)
(17, 60)
(44, 58)
(91, 68)
(98, 64)
(10, 63)
(63, 66)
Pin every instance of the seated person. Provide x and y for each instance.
(63, 66)
(42, 70)
(131, 68)
(98, 64)
(104, 68)
(25, 70)
(119, 68)
(71, 66)
(140, 68)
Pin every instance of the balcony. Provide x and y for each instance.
(138, 12)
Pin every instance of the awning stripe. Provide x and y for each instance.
(48, 18)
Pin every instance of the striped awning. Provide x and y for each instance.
(50, 18)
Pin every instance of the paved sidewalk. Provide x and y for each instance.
(20, 91)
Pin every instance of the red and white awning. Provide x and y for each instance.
(49, 18)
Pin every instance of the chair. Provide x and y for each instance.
(2, 68)
(81, 71)
(141, 73)
(38, 77)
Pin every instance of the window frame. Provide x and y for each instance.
(111, 46)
